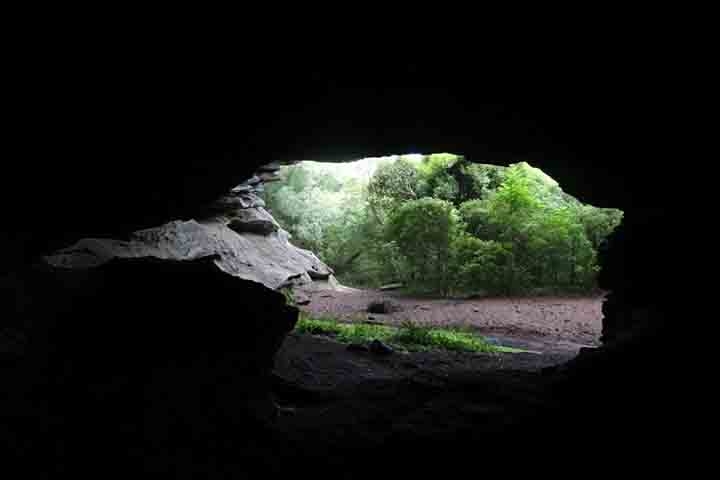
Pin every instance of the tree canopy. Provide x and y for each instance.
(442, 224)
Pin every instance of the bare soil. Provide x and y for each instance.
(345, 411)
(545, 324)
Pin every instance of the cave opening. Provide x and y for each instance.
(326, 401)
(452, 289)
(436, 252)
(144, 354)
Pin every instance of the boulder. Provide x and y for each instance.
(253, 220)
(384, 306)
(143, 336)
(379, 348)
(145, 348)
(267, 259)
(239, 201)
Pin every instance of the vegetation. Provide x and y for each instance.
(443, 225)
(423, 231)
(409, 336)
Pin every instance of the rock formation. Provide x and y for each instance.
(136, 351)
(247, 240)
(146, 336)
(109, 156)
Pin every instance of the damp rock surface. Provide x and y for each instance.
(244, 237)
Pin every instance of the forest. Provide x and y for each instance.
(440, 224)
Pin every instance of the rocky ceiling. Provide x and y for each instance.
(115, 153)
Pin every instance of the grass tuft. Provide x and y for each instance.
(409, 336)
(343, 332)
(418, 337)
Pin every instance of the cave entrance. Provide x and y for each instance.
(437, 252)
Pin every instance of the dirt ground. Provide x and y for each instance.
(544, 324)
(352, 411)
(341, 407)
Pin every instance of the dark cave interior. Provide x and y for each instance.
(117, 355)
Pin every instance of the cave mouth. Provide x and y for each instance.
(436, 252)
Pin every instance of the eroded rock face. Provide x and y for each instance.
(254, 220)
(173, 329)
(267, 259)
(638, 302)
(238, 200)
(147, 349)
(246, 239)
(617, 170)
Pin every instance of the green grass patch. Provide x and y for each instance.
(418, 337)
(343, 332)
(409, 336)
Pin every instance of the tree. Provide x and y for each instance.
(599, 223)
(475, 215)
(561, 253)
(481, 265)
(483, 179)
(446, 187)
(435, 179)
(423, 230)
(391, 185)
(513, 204)
(320, 213)
(454, 178)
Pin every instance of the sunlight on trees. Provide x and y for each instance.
(441, 224)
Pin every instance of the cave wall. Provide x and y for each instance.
(112, 158)
(107, 159)
(175, 327)
(600, 141)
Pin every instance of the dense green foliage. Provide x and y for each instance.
(423, 231)
(443, 225)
